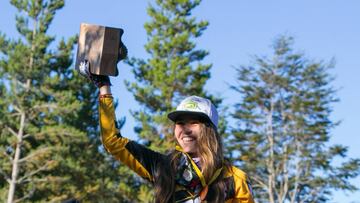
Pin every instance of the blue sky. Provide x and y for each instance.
(238, 29)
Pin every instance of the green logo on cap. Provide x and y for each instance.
(191, 105)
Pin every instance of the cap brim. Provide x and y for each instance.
(176, 115)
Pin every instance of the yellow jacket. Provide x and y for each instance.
(144, 161)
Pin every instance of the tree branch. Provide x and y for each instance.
(258, 180)
(21, 84)
(7, 178)
(26, 136)
(33, 154)
(27, 176)
(12, 131)
(43, 106)
(29, 194)
(17, 109)
(9, 157)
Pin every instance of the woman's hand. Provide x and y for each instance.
(98, 80)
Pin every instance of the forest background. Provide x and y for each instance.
(236, 32)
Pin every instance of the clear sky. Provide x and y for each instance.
(322, 29)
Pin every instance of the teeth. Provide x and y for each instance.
(188, 139)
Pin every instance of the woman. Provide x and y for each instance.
(195, 171)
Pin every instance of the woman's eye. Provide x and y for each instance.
(190, 122)
(194, 122)
(180, 123)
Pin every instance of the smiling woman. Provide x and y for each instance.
(329, 29)
(195, 171)
(187, 132)
(195, 124)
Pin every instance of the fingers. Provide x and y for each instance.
(122, 52)
(84, 68)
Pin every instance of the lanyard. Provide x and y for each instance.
(200, 175)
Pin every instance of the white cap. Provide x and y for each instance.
(197, 106)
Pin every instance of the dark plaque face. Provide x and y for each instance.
(100, 46)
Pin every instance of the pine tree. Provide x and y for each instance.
(49, 144)
(169, 74)
(172, 72)
(283, 128)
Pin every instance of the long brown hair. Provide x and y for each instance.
(211, 158)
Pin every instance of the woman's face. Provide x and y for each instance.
(187, 133)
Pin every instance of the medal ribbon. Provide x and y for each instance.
(200, 175)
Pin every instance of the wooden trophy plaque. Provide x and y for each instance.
(100, 46)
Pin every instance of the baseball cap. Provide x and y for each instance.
(197, 106)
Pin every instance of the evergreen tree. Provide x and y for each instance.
(169, 74)
(281, 138)
(172, 72)
(49, 144)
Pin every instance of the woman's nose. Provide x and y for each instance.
(187, 128)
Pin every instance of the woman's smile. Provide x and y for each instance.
(187, 132)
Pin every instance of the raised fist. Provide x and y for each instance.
(98, 80)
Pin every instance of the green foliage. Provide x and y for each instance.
(172, 72)
(284, 126)
(48, 115)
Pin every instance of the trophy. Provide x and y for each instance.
(102, 47)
